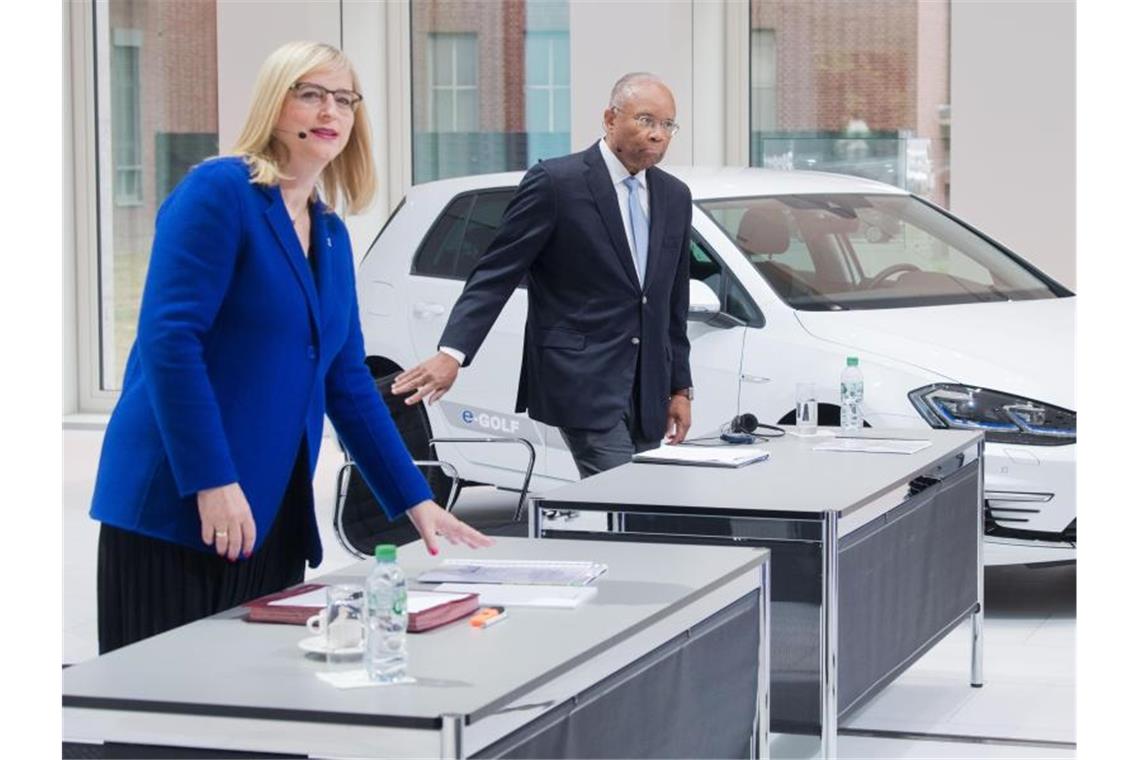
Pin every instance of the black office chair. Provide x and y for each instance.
(359, 521)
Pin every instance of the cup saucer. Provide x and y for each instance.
(319, 645)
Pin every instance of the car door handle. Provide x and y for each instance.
(424, 310)
(755, 379)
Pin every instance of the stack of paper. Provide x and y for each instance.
(727, 455)
(873, 445)
(509, 595)
(513, 571)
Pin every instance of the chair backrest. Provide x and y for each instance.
(763, 230)
(359, 521)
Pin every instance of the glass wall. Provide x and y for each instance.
(490, 85)
(156, 65)
(854, 86)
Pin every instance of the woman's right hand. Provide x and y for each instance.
(227, 521)
(432, 520)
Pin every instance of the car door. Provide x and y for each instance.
(482, 401)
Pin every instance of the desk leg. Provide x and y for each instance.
(829, 638)
(760, 738)
(451, 737)
(534, 524)
(977, 620)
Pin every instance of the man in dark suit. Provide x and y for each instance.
(602, 237)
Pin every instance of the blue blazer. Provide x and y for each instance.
(240, 353)
(592, 330)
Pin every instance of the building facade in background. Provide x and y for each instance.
(490, 85)
(854, 86)
(157, 93)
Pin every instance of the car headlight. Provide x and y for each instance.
(1004, 418)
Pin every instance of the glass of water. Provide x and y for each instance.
(807, 409)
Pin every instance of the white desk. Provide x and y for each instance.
(875, 557)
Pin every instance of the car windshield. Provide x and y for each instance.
(852, 251)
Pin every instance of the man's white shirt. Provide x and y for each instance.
(618, 175)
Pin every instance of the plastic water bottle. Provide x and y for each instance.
(386, 616)
(851, 397)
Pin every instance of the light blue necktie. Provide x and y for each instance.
(639, 226)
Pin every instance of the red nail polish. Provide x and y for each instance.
(433, 552)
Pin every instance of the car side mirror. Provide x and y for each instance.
(703, 302)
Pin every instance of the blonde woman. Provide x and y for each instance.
(248, 335)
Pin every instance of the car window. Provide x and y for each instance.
(439, 252)
(461, 234)
(851, 251)
(734, 299)
(482, 224)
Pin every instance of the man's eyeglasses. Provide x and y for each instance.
(313, 95)
(648, 123)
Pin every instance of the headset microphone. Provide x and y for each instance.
(302, 134)
(744, 429)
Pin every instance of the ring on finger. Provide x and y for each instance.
(222, 533)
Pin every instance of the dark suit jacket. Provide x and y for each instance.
(589, 322)
(240, 353)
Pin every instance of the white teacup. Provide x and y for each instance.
(340, 623)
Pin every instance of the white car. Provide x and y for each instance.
(792, 272)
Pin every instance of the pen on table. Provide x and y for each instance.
(495, 620)
(488, 616)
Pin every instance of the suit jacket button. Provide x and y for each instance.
(635, 341)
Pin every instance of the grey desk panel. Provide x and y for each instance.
(795, 479)
(226, 667)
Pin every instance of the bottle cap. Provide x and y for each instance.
(385, 552)
(852, 361)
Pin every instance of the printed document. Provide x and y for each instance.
(727, 455)
(508, 595)
(517, 571)
(873, 445)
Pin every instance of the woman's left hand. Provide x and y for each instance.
(432, 520)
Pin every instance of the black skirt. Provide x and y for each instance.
(146, 585)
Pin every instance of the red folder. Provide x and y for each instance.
(442, 613)
(262, 611)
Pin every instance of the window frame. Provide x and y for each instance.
(453, 88)
(82, 367)
(122, 40)
(551, 88)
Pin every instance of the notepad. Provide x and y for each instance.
(510, 595)
(873, 445)
(727, 455)
(513, 571)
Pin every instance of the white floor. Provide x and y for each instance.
(1025, 710)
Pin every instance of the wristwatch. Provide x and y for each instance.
(686, 392)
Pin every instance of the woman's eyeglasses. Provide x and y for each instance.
(313, 95)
